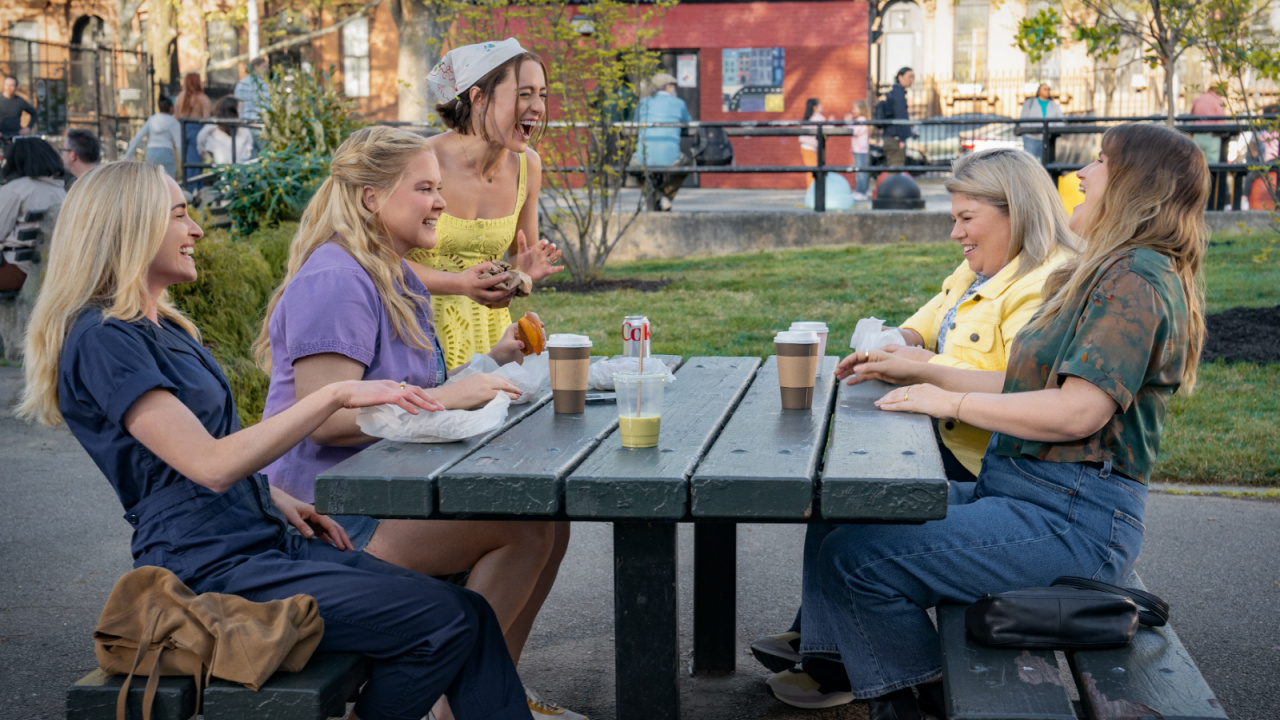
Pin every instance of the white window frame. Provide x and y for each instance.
(355, 58)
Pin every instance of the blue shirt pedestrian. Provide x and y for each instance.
(661, 146)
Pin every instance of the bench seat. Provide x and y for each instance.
(320, 691)
(1152, 678)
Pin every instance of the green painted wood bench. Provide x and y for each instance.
(728, 453)
(320, 691)
(1153, 678)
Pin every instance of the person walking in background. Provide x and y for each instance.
(660, 146)
(163, 134)
(12, 106)
(1208, 104)
(861, 147)
(192, 103)
(252, 91)
(81, 152)
(896, 136)
(1040, 107)
(228, 144)
(809, 143)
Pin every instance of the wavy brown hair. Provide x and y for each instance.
(1156, 191)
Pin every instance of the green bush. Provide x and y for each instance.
(228, 300)
(273, 190)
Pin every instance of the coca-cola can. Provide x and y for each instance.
(635, 336)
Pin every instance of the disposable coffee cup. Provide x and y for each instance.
(797, 367)
(570, 359)
(639, 407)
(821, 329)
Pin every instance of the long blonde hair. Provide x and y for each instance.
(1155, 195)
(109, 231)
(1014, 183)
(375, 157)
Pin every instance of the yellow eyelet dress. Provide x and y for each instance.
(464, 326)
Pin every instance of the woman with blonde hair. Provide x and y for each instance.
(492, 98)
(1077, 418)
(1011, 226)
(350, 308)
(108, 354)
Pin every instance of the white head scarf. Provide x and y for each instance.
(463, 67)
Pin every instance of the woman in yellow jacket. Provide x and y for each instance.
(1013, 229)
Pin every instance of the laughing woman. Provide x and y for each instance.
(109, 355)
(1077, 418)
(493, 100)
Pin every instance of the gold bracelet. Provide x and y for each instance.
(962, 397)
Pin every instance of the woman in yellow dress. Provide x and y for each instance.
(493, 100)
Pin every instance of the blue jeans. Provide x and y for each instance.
(1022, 524)
(863, 179)
(1035, 146)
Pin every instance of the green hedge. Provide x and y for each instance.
(228, 300)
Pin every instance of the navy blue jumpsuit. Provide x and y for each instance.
(426, 637)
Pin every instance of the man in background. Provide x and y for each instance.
(659, 147)
(12, 107)
(896, 136)
(81, 152)
(251, 91)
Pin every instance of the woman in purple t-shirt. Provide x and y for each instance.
(349, 308)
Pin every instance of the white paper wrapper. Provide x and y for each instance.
(870, 334)
(395, 423)
(531, 377)
(600, 376)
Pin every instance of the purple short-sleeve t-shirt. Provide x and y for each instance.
(332, 306)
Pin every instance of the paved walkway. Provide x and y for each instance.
(694, 200)
(65, 544)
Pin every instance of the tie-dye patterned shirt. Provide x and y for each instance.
(1127, 335)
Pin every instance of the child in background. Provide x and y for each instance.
(861, 146)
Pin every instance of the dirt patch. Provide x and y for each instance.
(611, 284)
(1243, 335)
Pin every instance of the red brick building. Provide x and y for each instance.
(824, 53)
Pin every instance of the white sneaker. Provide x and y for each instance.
(543, 710)
(860, 197)
(798, 689)
(777, 652)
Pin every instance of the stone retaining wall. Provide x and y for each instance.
(675, 235)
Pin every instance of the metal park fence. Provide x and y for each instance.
(101, 89)
(1067, 144)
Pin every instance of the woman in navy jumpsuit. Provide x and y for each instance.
(110, 355)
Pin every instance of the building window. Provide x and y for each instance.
(224, 44)
(971, 41)
(355, 58)
(1050, 65)
(899, 39)
(24, 52)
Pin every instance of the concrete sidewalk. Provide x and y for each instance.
(1212, 558)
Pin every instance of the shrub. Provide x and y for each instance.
(305, 118)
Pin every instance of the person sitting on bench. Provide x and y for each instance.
(1077, 418)
(33, 182)
(110, 355)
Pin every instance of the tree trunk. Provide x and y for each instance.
(162, 29)
(422, 33)
(1169, 100)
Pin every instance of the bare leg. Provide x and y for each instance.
(509, 561)
(518, 633)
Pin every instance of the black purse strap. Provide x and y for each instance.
(1152, 610)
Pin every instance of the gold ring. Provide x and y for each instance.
(403, 385)
(906, 395)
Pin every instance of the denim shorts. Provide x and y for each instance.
(360, 529)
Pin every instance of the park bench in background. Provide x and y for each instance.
(1152, 678)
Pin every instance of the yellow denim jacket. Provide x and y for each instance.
(982, 335)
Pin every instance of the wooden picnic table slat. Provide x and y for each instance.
(880, 465)
(522, 470)
(654, 482)
(766, 459)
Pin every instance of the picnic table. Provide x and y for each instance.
(727, 453)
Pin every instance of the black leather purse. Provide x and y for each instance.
(1073, 613)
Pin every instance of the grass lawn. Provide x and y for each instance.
(1228, 432)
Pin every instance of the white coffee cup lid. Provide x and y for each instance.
(819, 327)
(566, 340)
(797, 337)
